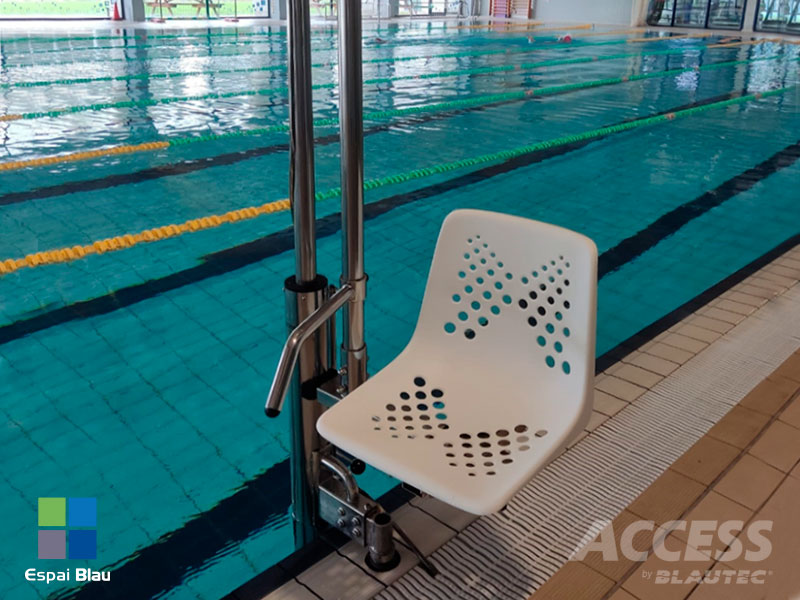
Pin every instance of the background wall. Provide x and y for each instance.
(586, 11)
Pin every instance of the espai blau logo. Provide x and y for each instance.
(68, 528)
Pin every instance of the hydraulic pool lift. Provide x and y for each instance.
(495, 382)
(309, 376)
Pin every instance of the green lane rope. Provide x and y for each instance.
(549, 144)
(70, 39)
(492, 98)
(175, 142)
(462, 54)
(194, 45)
(142, 46)
(120, 242)
(171, 75)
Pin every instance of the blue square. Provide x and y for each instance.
(82, 512)
(82, 544)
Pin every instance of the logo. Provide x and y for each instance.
(68, 528)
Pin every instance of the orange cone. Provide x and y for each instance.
(116, 16)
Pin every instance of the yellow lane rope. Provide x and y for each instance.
(86, 155)
(119, 242)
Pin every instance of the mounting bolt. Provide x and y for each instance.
(341, 511)
(356, 522)
(341, 523)
(356, 532)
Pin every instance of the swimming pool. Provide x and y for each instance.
(138, 376)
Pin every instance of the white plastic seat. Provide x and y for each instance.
(497, 378)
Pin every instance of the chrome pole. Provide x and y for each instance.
(306, 291)
(352, 165)
(301, 141)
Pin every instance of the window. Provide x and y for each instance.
(719, 14)
(779, 15)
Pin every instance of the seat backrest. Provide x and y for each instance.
(515, 295)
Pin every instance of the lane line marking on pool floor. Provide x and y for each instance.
(69, 254)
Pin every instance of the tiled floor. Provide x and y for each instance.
(746, 467)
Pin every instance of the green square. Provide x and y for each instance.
(52, 512)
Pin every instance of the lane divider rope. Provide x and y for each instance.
(170, 75)
(450, 105)
(69, 254)
(283, 89)
(552, 45)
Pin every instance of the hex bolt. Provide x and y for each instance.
(356, 522)
(341, 511)
(356, 532)
(341, 523)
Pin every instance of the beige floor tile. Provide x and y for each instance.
(574, 581)
(616, 566)
(707, 321)
(705, 460)
(713, 507)
(790, 368)
(796, 472)
(655, 364)
(754, 291)
(620, 388)
(735, 307)
(698, 333)
(336, 578)
(779, 446)
(684, 343)
(787, 272)
(786, 282)
(621, 594)
(426, 532)
(782, 578)
(739, 426)
(767, 284)
(598, 419)
(608, 404)
(787, 261)
(644, 584)
(613, 368)
(724, 316)
(639, 376)
(290, 591)
(750, 482)
(792, 413)
(578, 438)
(741, 296)
(449, 515)
(770, 395)
(669, 353)
(667, 498)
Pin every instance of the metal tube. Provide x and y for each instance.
(301, 141)
(291, 350)
(350, 485)
(352, 169)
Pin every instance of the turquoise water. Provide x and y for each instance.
(138, 377)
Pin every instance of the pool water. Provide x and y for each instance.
(138, 377)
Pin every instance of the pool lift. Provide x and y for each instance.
(476, 404)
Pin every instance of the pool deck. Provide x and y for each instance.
(702, 422)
